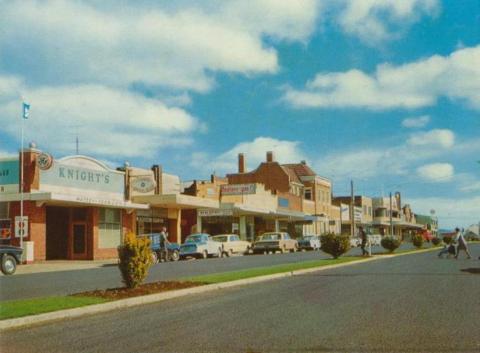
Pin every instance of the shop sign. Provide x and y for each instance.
(67, 176)
(9, 175)
(44, 161)
(143, 184)
(238, 189)
(214, 213)
(21, 226)
(282, 202)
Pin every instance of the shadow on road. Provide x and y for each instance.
(475, 271)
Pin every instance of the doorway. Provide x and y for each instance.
(57, 230)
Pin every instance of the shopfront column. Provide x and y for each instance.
(243, 227)
(199, 224)
(277, 225)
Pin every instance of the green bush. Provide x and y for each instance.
(335, 245)
(390, 243)
(447, 239)
(436, 241)
(135, 258)
(418, 240)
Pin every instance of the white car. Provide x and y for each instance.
(200, 245)
(232, 244)
(375, 239)
(355, 241)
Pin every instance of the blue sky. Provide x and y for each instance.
(382, 92)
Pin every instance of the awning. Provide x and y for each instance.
(289, 215)
(178, 201)
(51, 198)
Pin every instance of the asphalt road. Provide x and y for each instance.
(411, 303)
(33, 285)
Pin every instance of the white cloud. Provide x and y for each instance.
(436, 138)
(109, 122)
(472, 187)
(436, 172)
(386, 160)
(7, 154)
(375, 21)
(413, 85)
(451, 212)
(77, 43)
(416, 122)
(255, 153)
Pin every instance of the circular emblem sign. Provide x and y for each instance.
(44, 161)
(143, 184)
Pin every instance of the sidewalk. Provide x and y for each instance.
(62, 265)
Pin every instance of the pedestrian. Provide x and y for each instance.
(363, 238)
(163, 244)
(461, 244)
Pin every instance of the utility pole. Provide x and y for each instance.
(391, 219)
(352, 210)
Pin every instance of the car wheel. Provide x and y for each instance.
(174, 256)
(204, 254)
(265, 252)
(9, 264)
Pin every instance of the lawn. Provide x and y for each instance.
(24, 307)
(262, 271)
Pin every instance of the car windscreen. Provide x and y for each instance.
(271, 236)
(220, 238)
(194, 239)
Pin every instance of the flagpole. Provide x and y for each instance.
(21, 183)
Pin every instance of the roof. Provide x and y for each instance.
(291, 173)
(300, 169)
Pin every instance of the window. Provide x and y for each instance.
(308, 193)
(109, 228)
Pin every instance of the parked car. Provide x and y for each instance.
(11, 256)
(232, 244)
(172, 253)
(200, 245)
(271, 242)
(375, 239)
(309, 242)
(355, 241)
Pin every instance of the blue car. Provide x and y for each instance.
(158, 254)
(200, 245)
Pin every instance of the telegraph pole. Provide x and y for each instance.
(391, 219)
(352, 211)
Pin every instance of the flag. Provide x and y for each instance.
(26, 110)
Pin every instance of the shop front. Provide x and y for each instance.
(74, 207)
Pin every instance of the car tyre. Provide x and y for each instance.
(9, 264)
(175, 256)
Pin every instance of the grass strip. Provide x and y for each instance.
(263, 271)
(24, 307)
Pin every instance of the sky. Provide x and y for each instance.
(384, 93)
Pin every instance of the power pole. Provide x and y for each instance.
(391, 219)
(352, 210)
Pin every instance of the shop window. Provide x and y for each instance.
(109, 228)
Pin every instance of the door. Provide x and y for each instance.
(79, 241)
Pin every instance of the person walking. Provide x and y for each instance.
(363, 238)
(163, 244)
(461, 244)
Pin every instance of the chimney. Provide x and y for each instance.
(270, 156)
(241, 163)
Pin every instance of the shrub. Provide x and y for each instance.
(135, 258)
(447, 239)
(335, 245)
(390, 243)
(417, 240)
(436, 241)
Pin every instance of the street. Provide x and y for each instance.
(68, 282)
(411, 303)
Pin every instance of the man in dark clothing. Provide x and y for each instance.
(163, 244)
(363, 237)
